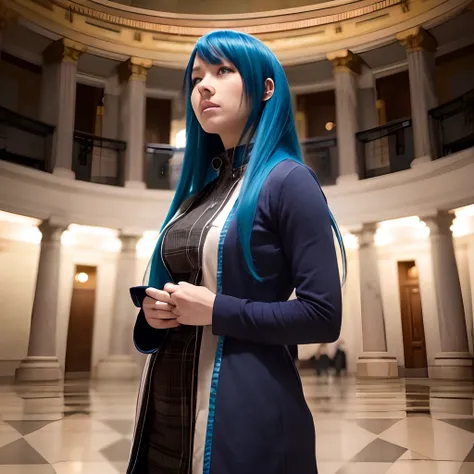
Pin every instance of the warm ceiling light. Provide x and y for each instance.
(181, 139)
(18, 219)
(466, 211)
(82, 277)
(91, 230)
(330, 126)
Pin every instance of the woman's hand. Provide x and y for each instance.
(158, 307)
(193, 305)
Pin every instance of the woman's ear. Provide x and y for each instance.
(269, 89)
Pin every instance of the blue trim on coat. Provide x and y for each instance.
(218, 358)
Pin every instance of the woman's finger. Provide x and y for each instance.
(163, 324)
(164, 315)
(158, 295)
(159, 306)
(150, 303)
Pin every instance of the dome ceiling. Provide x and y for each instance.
(218, 7)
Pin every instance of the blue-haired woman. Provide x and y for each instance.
(248, 224)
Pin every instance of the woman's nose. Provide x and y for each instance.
(206, 89)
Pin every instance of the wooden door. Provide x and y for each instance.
(412, 316)
(81, 323)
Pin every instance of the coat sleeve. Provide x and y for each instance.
(304, 228)
(145, 338)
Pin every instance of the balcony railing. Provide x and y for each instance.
(25, 141)
(386, 149)
(98, 160)
(453, 125)
(320, 154)
(158, 169)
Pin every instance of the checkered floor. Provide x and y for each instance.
(378, 427)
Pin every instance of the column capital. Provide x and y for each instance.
(439, 223)
(51, 230)
(417, 39)
(129, 241)
(7, 17)
(63, 50)
(134, 69)
(345, 61)
(366, 234)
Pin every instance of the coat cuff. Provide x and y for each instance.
(225, 315)
(146, 339)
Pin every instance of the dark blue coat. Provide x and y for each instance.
(259, 422)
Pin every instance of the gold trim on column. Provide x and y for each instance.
(346, 61)
(63, 50)
(417, 39)
(134, 69)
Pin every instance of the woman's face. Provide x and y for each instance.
(217, 100)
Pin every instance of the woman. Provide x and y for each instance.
(248, 224)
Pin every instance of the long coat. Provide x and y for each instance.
(252, 417)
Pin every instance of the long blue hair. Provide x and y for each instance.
(270, 126)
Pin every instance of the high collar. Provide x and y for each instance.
(232, 158)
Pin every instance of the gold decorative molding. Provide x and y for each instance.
(345, 60)
(198, 25)
(134, 69)
(417, 39)
(297, 35)
(7, 16)
(63, 50)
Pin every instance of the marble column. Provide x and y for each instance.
(367, 100)
(132, 77)
(178, 118)
(58, 101)
(374, 361)
(347, 67)
(110, 123)
(421, 46)
(119, 363)
(454, 361)
(41, 364)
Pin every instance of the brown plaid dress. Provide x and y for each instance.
(170, 421)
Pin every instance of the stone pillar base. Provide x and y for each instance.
(420, 161)
(347, 178)
(377, 365)
(452, 366)
(135, 184)
(38, 369)
(64, 173)
(117, 367)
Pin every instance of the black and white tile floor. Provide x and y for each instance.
(363, 427)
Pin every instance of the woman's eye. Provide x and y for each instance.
(225, 70)
(195, 81)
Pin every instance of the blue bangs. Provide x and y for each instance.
(270, 128)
